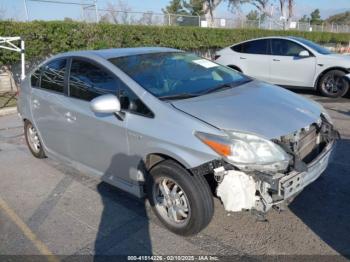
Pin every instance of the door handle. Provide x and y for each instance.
(70, 117)
(243, 58)
(276, 60)
(36, 103)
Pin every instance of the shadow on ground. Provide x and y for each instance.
(324, 206)
(131, 237)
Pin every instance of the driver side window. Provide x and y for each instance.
(281, 47)
(88, 81)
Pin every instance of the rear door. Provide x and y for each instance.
(253, 58)
(48, 105)
(287, 68)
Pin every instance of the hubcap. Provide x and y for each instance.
(333, 84)
(33, 139)
(171, 201)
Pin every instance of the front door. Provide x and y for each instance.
(287, 67)
(97, 141)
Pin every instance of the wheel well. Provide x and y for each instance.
(155, 158)
(326, 71)
(235, 68)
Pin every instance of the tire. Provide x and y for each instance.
(37, 150)
(333, 84)
(196, 192)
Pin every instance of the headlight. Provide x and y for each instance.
(247, 151)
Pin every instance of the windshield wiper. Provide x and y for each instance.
(178, 96)
(225, 86)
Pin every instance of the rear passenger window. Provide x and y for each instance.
(88, 81)
(35, 78)
(258, 47)
(52, 75)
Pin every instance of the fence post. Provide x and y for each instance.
(169, 19)
(199, 20)
(96, 11)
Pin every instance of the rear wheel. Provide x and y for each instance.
(33, 140)
(333, 84)
(183, 202)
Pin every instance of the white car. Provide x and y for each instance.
(290, 61)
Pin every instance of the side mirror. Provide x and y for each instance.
(105, 104)
(304, 53)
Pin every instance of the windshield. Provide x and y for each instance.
(178, 75)
(314, 46)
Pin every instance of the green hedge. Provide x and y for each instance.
(44, 38)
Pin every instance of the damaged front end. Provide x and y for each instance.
(262, 187)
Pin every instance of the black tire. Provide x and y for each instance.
(333, 78)
(196, 190)
(37, 153)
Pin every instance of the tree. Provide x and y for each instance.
(315, 17)
(68, 19)
(118, 12)
(260, 5)
(194, 7)
(342, 18)
(175, 7)
(304, 19)
(253, 15)
(291, 4)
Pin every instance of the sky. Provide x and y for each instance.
(48, 11)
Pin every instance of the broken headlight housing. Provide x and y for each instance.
(248, 151)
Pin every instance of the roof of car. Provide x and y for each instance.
(118, 52)
(274, 37)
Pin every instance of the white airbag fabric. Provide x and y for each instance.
(237, 191)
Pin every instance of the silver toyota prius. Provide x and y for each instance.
(177, 128)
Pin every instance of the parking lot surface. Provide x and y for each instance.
(48, 208)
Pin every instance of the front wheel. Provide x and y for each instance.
(183, 202)
(334, 84)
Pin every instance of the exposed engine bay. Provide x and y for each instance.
(310, 149)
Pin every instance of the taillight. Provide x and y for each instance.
(216, 57)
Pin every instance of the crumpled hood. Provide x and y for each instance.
(255, 107)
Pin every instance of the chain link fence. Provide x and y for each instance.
(90, 11)
(166, 19)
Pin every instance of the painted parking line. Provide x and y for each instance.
(43, 249)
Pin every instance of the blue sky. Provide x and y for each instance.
(45, 11)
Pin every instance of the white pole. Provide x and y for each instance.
(96, 11)
(26, 10)
(23, 74)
